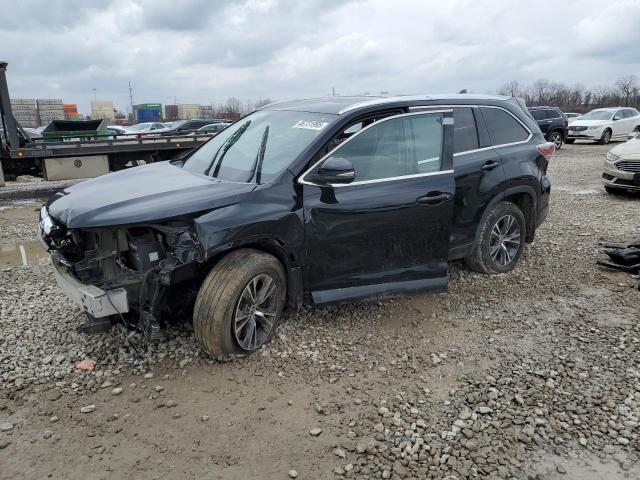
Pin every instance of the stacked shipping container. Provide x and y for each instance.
(25, 112)
(49, 110)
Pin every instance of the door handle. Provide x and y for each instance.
(490, 165)
(434, 198)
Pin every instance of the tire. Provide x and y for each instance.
(482, 260)
(556, 139)
(569, 141)
(606, 137)
(226, 300)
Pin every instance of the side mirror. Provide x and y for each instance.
(333, 170)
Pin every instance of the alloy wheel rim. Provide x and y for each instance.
(256, 312)
(557, 140)
(505, 240)
(607, 136)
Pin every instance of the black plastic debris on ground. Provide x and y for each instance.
(622, 256)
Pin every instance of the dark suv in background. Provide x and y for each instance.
(552, 122)
(310, 201)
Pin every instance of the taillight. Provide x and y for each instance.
(546, 149)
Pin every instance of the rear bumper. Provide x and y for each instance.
(93, 300)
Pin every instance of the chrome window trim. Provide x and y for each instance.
(467, 152)
(302, 181)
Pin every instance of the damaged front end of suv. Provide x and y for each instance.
(128, 270)
(127, 246)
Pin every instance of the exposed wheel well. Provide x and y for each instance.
(289, 264)
(526, 205)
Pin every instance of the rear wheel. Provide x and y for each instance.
(605, 138)
(500, 240)
(556, 139)
(240, 303)
(570, 141)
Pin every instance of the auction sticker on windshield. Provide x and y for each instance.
(311, 125)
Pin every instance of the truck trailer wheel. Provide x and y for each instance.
(240, 303)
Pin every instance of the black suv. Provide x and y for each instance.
(191, 126)
(311, 201)
(552, 122)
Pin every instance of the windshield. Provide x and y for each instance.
(598, 115)
(259, 146)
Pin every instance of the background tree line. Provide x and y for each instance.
(578, 98)
(234, 108)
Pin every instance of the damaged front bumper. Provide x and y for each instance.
(93, 300)
(144, 270)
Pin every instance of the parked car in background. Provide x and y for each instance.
(146, 127)
(33, 133)
(552, 122)
(213, 127)
(309, 201)
(189, 126)
(622, 167)
(604, 124)
(571, 116)
(116, 130)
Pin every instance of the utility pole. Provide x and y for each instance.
(131, 99)
(94, 95)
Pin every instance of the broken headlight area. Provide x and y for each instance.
(148, 268)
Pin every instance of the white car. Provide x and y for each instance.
(622, 167)
(604, 124)
(572, 116)
(146, 127)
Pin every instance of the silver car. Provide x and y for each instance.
(622, 167)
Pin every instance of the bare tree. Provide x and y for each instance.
(511, 89)
(233, 105)
(628, 87)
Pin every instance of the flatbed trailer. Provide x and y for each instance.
(20, 154)
(120, 152)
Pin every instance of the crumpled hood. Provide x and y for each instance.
(142, 194)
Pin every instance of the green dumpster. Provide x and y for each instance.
(75, 130)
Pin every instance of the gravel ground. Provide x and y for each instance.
(530, 375)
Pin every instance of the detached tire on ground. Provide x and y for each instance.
(614, 190)
(500, 240)
(240, 303)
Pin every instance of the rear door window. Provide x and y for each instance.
(503, 127)
(551, 113)
(539, 114)
(465, 133)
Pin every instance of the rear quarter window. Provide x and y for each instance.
(465, 133)
(503, 127)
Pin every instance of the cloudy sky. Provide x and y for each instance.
(203, 51)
